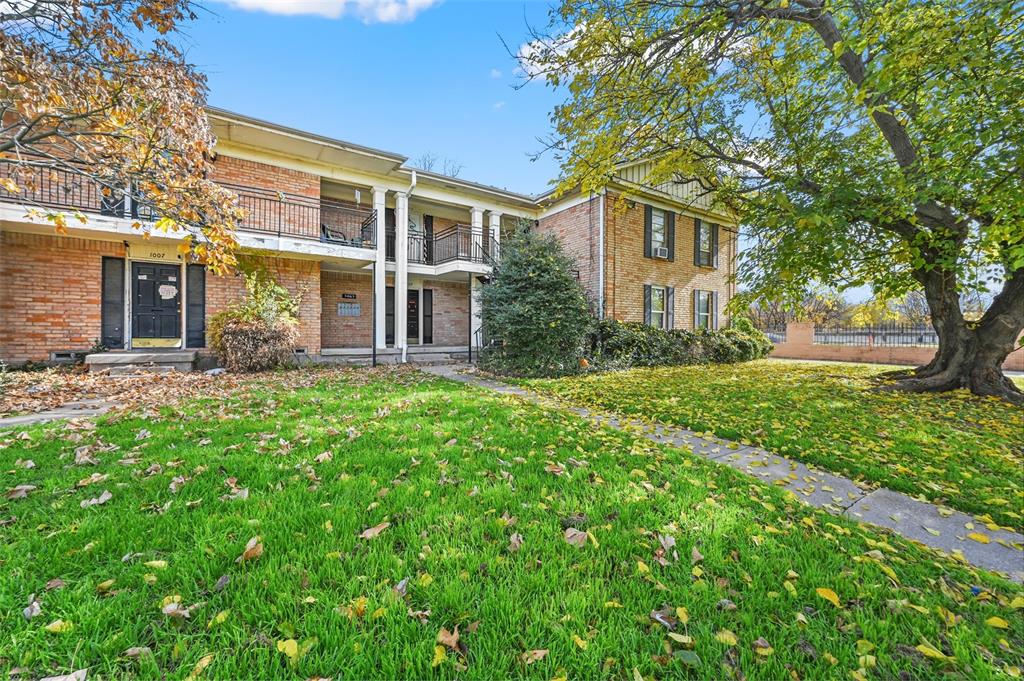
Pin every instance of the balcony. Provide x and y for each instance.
(456, 243)
(267, 211)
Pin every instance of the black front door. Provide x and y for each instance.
(412, 318)
(156, 303)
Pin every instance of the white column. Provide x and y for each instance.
(474, 306)
(495, 231)
(379, 194)
(401, 267)
(476, 222)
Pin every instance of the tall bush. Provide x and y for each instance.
(535, 313)
(259, 331)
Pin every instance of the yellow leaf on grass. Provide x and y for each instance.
(928, 650)
(997, 622)
(829, 595)
(59, 627)
(219, 618)
(683, 615)
(439, 655)
(156, 564)
(579, 642)
(727, 637)
(642, 568)
(203, 663)
(1017, 603)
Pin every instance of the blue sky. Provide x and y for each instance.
(438, 79)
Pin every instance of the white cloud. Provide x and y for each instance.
(542, 55)
(499, 105)
(496, 73)
(368, 11)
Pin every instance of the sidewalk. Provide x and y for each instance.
(945, 529)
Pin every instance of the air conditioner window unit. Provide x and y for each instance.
(661, 252)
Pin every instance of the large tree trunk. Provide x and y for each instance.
(970, 355)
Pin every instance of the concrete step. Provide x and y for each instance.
(123, 363)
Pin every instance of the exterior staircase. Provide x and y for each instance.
(128, 362)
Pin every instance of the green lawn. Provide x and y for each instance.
(464, 501)
(955, 448)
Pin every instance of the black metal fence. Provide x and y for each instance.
(776, 333)
(888, 335)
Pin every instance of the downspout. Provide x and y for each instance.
(600, 254)
(405, 294)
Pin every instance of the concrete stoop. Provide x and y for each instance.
(134, 362)
(425, 355)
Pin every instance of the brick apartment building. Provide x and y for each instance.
(345, 227)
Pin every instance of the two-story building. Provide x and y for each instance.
(384, 258)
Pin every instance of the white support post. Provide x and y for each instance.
(476, 223)
(401, 269)
(495, 232)
(474, 307)
(379, 194)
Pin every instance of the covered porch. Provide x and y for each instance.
(437, 323)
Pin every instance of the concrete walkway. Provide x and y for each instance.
(931, 525)
(71, 410)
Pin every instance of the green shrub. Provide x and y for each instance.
(535, 314)
(259, 331)
(621, 345)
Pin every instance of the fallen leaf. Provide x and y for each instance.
(531, 656)
(763, 648)
(575, 537)
(203, 663)
(829, 595)
(253, 550)
(439, 655)
(79, 675)
(137, 652)
(20, 492)
(59, 627)
(979, 537)
(515, 542)
(997, 622)
(727, 637)
(449, 639)
(371, 532)
(34, 608)
(103, 498)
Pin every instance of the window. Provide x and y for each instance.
(658, 228)
(659, 233)
(658, 306)
(705, 244)
(704, 310)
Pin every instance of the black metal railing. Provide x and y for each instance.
(892, 335)
(456, 243)
(776, 332)
(267, 211)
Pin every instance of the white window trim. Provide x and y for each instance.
(709, 315)
(663, 242)
(706, 228)
(664, 307)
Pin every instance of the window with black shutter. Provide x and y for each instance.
(428, 315)
(705, 244)
(112, 304)
(195, 306)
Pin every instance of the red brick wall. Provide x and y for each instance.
(50, 293)
(800, 345)
(296, 216)
(300, 277)
(578, 229)
(346, 332)
(627, 270)
(451, 312)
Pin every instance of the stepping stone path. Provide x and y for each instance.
(950, 532)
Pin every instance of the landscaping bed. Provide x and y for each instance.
(953, 448)
(383, 524)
